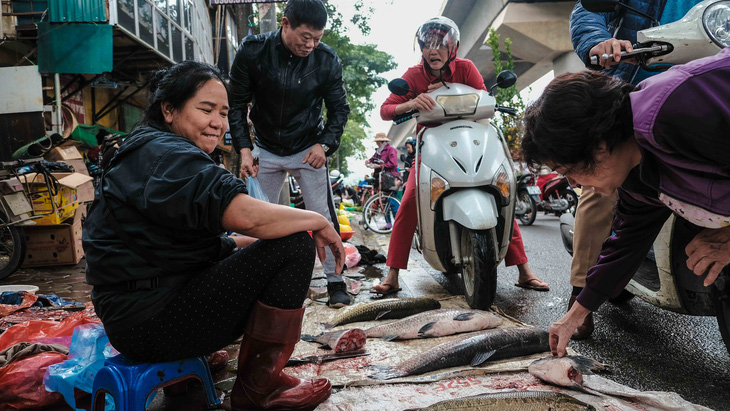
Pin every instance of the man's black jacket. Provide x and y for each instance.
(287, 93)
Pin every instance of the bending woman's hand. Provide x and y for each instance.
(328, 237)
(612, 47)
(709, 249)
(562, 330)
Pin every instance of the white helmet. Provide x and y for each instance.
(335, 174)
(439, 32)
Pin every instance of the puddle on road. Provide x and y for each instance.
(372, 272)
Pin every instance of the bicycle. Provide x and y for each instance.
(378, 212)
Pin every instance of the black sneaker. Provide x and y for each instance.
(338, 294)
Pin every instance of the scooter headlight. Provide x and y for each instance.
(502, 183)
(460, 105)
(716, 20)
(438, 186)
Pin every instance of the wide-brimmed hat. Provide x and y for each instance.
(381, 137)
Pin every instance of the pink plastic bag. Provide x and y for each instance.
(21, 382)
(353, 256)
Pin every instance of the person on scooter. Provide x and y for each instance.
(385, 161)
(409, 159)
(591, 34)
(662, 157)
(438, 39)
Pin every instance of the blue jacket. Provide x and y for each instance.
(588, 29)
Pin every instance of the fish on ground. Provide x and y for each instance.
(340, 341)
(512, 400)
(566, 371)
(475, 350)
(383, 309)
(436, 323)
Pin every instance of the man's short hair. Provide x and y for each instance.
(309, 12)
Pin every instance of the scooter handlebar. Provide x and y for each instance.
(402, 118)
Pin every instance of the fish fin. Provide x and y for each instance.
(426, 328)
(381, 314)
(310, 337)
(388, 337)
(464, 317)
(481, 357)
(589, 365)
(327, 326)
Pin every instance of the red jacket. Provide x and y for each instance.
(460, 71)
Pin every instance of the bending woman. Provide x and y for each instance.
(167, 284)
(439, 40)
(661, 157)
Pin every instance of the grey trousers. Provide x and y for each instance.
(315, 185)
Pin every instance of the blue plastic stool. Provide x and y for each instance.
(130, 383)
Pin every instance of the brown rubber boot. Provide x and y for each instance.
(584, 330)
(269, 340)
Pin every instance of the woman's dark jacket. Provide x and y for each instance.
(287, 93)
(168, 197)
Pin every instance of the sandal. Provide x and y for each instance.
(534, 284)
(388, 289)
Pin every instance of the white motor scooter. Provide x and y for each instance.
(466, 186)
(664, 280)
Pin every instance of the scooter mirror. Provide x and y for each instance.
(399, 87)
(506, 79)
(600, 6)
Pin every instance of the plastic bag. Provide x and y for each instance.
(254, 189)
(353, 256)
(89, 349)
(49, 332)
(21, 382)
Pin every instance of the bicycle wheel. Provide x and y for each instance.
(379, 213)
(12, 249)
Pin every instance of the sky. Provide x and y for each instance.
(394, 24)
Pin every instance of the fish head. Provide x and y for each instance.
(558, 371)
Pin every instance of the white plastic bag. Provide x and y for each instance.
(254, 189)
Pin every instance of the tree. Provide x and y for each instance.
(510, 126)
(362, 65)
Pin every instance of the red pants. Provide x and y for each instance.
(405, 226)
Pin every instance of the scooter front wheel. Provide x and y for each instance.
(378, 214)
(479, 267)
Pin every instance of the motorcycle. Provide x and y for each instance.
(528, 197)
(663, 279)
(336, 181)
(465, 193)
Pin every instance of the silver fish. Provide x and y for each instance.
(512, 400)
(474, 350)
(340, 341)
(436, 323)
(566, 371)
(383, 309)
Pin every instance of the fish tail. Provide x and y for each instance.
(385, 372)
(327, 326)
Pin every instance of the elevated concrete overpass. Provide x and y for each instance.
(538, 30)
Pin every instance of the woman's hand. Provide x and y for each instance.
(562, 330)
(709, 249)
(422, 102)
(328, 237)
(612, 46)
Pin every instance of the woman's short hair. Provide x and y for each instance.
(309, 12)
(575, 114)
(176, 85)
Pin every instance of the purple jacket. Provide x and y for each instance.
(682, 124)
(389, 155)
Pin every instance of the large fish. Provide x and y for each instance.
(513, 400)
(436, 323)
(566, 371)
(339, 341)
(475, 350)
(384, 309)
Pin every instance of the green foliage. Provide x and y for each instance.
(511, 126)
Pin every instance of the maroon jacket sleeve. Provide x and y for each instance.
(637, 223)
(472, 77)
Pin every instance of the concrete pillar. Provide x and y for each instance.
(567, 63)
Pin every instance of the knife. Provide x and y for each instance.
(320, 359)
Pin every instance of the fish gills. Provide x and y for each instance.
(487, 345)
(384, 309)
(513, 400)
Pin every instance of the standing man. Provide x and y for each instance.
(596, 34)
(288, 74)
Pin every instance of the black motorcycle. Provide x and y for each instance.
(528, 198)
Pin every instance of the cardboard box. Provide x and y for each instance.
(58, 244)
(78, 165)
(73, 190)
(63, 153)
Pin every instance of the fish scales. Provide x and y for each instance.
(487, 345)
(385, 309)
(513, 400)
(436, 323)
